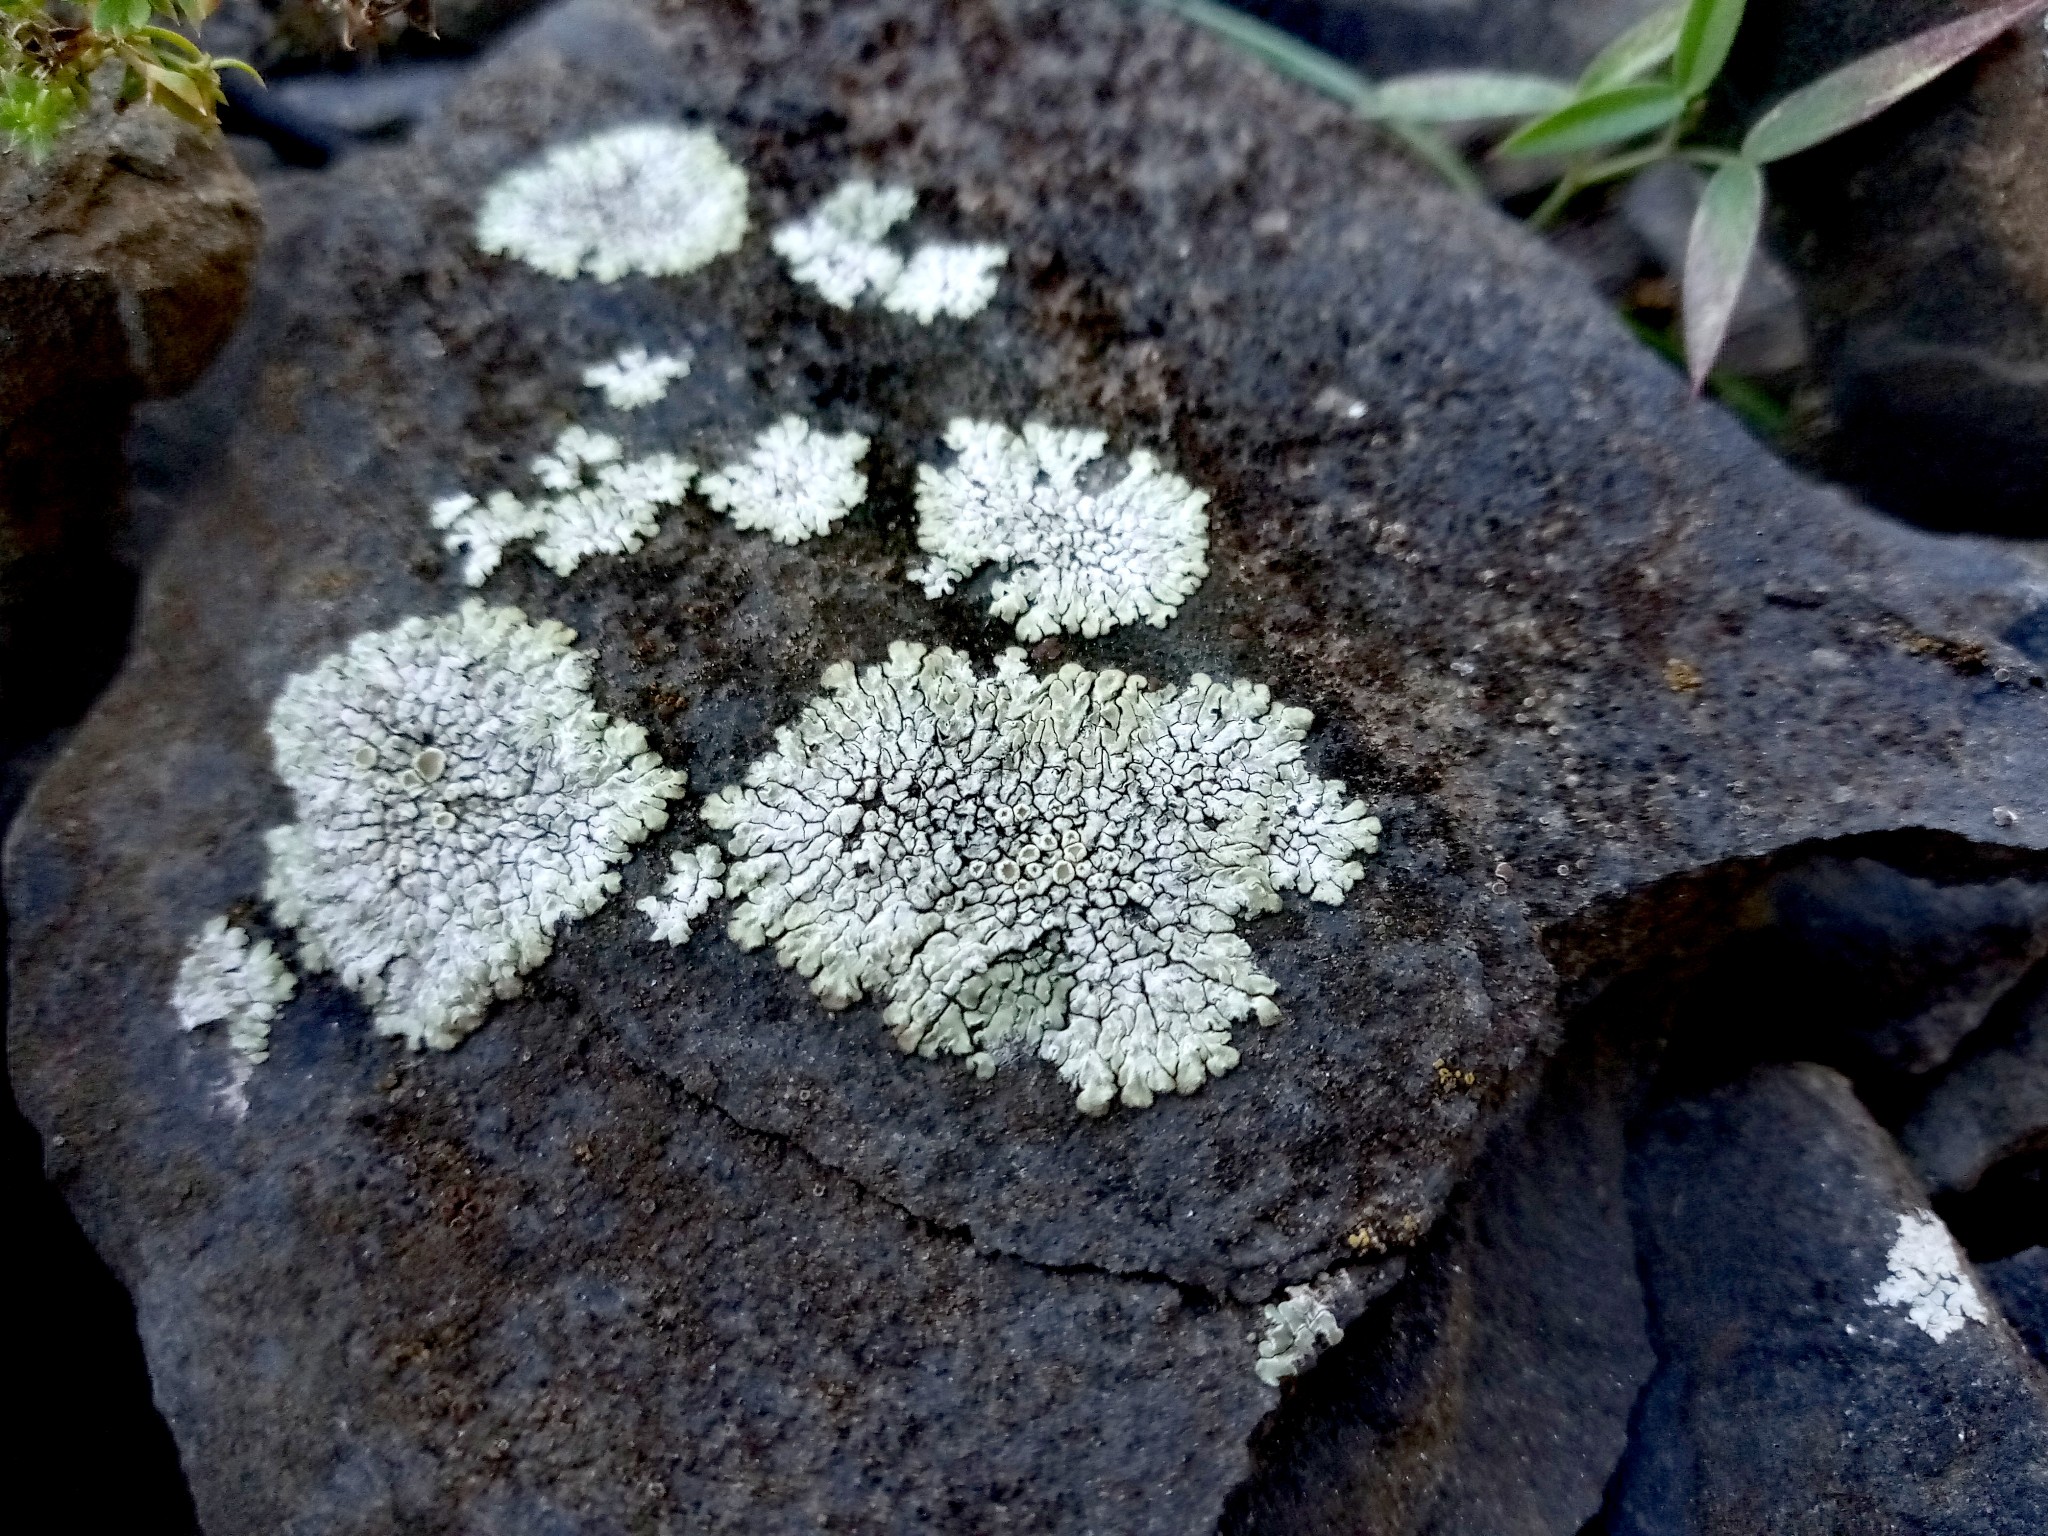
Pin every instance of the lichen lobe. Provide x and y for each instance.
(1025, 865)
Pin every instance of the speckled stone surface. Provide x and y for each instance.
(666, 1246)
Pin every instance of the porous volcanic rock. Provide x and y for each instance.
(666, 1242)
(1794, 1391)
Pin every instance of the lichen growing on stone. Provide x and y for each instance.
(1926, 1278)
(837, 250)
(1298, 1330)
(687, 894)
(225, 977)
(635, 378)
(603, 504)
(458, 799)
(794, 484)
(649, 197)
(952, 280)
(1081, 558)
(1037, 865)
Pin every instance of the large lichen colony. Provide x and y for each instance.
(648, 197)
(458, 798)
(1082, 557)
(1023, 865)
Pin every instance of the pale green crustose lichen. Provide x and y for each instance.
(649, 197)
(837, 250)
(687, 893)
(1081, 557)
(458, 799)
(227, 978)
(1051, 866)
(794, 484)
(602, 504)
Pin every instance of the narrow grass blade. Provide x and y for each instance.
(1592, 121)
(1861, 90)
(1642, 48)
(1717, 257)
(1704, 38)
(1467, 95)
(1289, 55)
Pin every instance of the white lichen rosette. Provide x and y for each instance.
(226, 978)
(458, 799)
(1037, 865)
(636, 378)
(794, 484)
(648, 197)
(1081, 559)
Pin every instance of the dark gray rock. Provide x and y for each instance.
(1787, 1398)
(665, 1239)
(1910, 965)
(2020, 1286)
(1491, 1393)
(1989, 1106)
(1393, 37)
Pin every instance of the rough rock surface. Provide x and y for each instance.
(1492, 1392)
(1990, 1105)
(1787, 1396)
(664, 1241)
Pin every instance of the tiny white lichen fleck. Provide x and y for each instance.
(604, 504)
(1081, 558)
(795, 484)
(1927, 1278)
(1298, 1329)
(1025, 865)
(634, 378)
(837, 249)
(953, 280)
(226, 977)
(687, 894)
(458, 798)
(649, 197)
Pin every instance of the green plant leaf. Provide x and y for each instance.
(1287, 54)
(1636, 52)
(1860, 90)
(1465, 95)
(121, 15)
(1605, 118)
(1717, 258)
(1704, 38)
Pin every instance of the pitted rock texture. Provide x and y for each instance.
(665, 1242)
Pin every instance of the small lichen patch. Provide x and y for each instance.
(458, 799)
(1079, 559)
(635, 378)
(795, 483)
(224, 977)
(837, 250)
(952, 280)
(1298, 1330)
(649, 197)
(687, 894)
(1926, 1278)
(1037, 865)
(604, 504)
